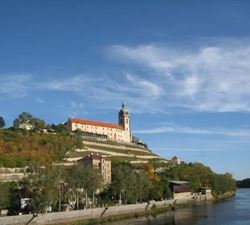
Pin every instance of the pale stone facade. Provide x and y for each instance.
(180, 189)
(115, 132)
(182, 195)
(101, 164)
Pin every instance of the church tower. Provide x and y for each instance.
(124, 121)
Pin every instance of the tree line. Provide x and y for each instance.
(245, 183)
(81, 187)
(44, 143)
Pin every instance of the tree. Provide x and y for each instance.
(75, 181)
(60, 128)
(82, 178)
(27, 121)
(47, 185)
(23, 118)
(91, 182)
(5, 194)
(37, 123)
(201, 176)
(2, 122)
(129, 185)
(53, 186)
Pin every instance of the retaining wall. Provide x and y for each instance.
(60, 217)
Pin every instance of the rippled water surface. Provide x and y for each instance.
(235, 211)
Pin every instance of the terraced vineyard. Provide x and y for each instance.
(123, 151)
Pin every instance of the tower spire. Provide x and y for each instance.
(124, 121)
(123, 104)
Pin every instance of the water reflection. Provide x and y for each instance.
(235, 211)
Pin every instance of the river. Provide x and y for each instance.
(234, 211)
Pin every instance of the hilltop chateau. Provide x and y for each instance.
(118, 132)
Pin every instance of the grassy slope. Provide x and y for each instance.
(134, 152)
(18, 148)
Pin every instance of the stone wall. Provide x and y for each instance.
(183, 195)
(60, 217)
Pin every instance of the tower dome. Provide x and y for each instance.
(124, 110)
(124, 120)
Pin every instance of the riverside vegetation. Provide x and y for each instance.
(58, 186)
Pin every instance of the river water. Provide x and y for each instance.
(234, 211)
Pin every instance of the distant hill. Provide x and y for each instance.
(243, 183)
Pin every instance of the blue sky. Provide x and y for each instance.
(181, 66)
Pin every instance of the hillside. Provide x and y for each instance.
(130, 152)
(19, 147)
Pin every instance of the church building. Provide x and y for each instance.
(117, 132)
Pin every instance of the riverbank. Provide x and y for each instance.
(104, 214)
(154, 211)
(224, 196)
(91, 216)
(233, 211)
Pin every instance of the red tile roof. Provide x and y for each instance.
(96, 123)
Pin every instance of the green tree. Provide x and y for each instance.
(75, 180)
(201, 176)
(5, 194)
(26, 118)
(82, 178)
(37, 123)
(38, 203)
(223, 183)
(2, 122)
(53, 186)
(129, 184)
(48, 184)
(60, 128)
(91, 182)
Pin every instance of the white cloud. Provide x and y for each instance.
(214, 78)
(39, 100)
(14, 85)
(195, 131)
(103, 91)
(146, 87)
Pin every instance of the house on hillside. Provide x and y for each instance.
(100, 163)
(176, 160)
(180, 189)
(207, 192)
(21, 200)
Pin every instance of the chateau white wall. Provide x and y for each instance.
(111, 133)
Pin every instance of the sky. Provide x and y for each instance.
(182, 67)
